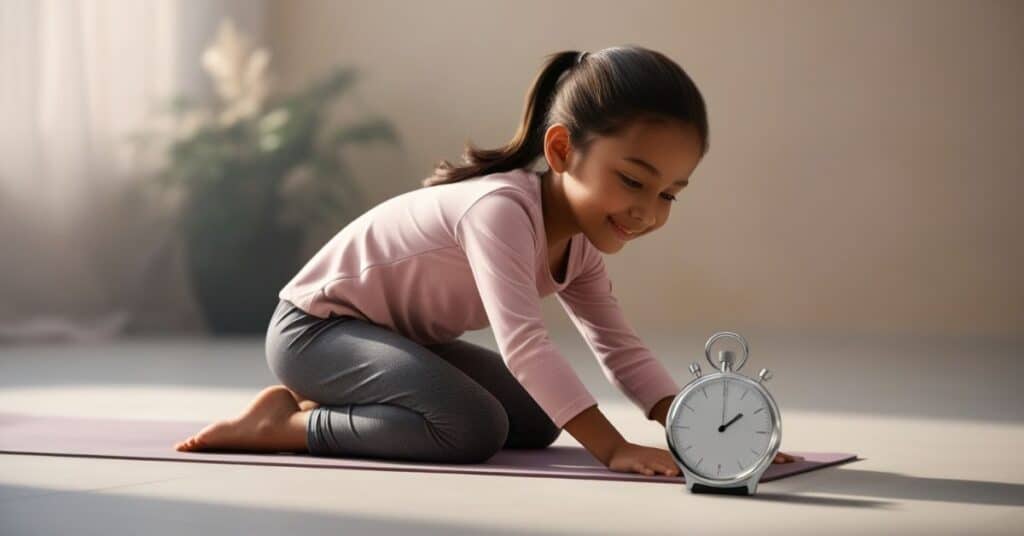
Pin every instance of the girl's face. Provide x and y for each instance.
(630, 181)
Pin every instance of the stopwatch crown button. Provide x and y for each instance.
(695, 369)
(764, 375)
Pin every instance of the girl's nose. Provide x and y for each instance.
(643, 222)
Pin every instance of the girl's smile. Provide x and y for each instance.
(622, 232)
(622, 188)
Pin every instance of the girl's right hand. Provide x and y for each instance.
(631, 458)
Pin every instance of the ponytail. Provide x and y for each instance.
(594, 95)
(527, 144)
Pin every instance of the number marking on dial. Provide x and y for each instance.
(745, 391)
(688, 407)
(704, 391)
(758, 410)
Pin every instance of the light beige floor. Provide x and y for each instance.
(936, 421)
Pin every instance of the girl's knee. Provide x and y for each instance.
(536, 437)
(484, 438)
(548, 436)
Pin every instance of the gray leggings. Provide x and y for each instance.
(383, 395)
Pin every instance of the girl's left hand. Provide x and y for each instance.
(782, 457)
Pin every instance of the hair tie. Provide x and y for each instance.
(580, 56)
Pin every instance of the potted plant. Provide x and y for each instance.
(256, 170)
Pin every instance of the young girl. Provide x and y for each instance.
(365, 337)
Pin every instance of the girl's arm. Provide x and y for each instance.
(593, 430)
(625, 360)
(500, 243)
(660, 411)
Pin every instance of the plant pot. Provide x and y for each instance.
(238, 257)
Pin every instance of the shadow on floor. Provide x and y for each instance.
(886, 485)
(77, 512)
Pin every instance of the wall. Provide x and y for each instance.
(865, 157)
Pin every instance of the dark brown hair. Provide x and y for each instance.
(602, 95)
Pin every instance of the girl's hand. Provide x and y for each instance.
(782, 457)
(630, 458)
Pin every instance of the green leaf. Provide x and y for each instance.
(369, 130)
(333, 84)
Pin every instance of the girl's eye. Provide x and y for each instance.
(635, 184)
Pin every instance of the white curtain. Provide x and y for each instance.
(81, 254)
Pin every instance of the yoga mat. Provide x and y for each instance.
(136, 439)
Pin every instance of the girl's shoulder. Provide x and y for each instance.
(520, 184)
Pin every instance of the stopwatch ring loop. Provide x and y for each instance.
(721, 334)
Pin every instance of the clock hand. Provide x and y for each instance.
(728, 424)
(725, 392)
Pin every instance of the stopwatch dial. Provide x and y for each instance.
(722, 428)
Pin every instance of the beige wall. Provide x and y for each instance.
(865, 161)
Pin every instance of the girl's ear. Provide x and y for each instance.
(557, 147)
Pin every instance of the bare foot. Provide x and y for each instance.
(273, 422)
(303, 403)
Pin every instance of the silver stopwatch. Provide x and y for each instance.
(724, 429)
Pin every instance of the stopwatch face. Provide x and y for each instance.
(722, 428)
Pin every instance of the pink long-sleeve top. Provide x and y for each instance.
(437, 261)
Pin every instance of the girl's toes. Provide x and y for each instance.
(190, 444)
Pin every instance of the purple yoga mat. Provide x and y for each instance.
(154, 440)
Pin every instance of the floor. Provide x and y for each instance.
(938, 424)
